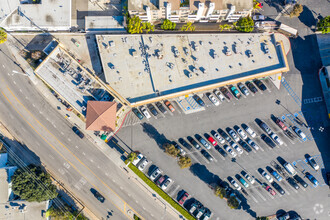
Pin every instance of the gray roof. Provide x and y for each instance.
(104, 22)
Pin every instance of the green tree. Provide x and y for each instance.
(232, 202)
(3, 35)
(188, 27)
(220, 191)
(324, 25)
(132, 156)
(63, 214)
(296, 11)
(147, 26)
(244, 24)
(134, 25)
(184, 162)
(171, 150)
(262, 218)
(168, 25)
(33, 184)
(225, 27)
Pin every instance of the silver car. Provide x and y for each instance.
(233, 134)
(252, 144)
(205, 143)
(155, 174)
(143, 163)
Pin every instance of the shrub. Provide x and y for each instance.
(220, 191)
(232, 202)
(3, 35)
(168, 25)
(324, 25)
(132, 156)
(171, 150)
(184, 162)
(244, 24)
(297, 9)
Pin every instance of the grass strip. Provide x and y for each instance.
(161, 193)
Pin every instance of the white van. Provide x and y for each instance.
(290, 169)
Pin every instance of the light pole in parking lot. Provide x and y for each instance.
(235, 161)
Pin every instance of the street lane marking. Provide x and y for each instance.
(14, 82)
(67, 150)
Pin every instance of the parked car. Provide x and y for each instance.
(230, 151)
(276, 139)
(219, 95)
(293, 183)
(313, 164)
(240, 132)
(78, 132)
(145, 112)
(248, 177)
(199, 100)
(156, 173)
(260, 85)
(300, 181)
(252, 144)
(226, 93)
(160, 180)
(137, 159)
(243, 89)
(200, 212)
(249, 130)
(212, 141)
(137, 113)
(194, 206)
(301, 134)
(276, 175)
(270, 190)
(268, 141)
(235, 184)
(312, 179)
(142, 164)
(214, 100)
(245, 146)
(251, 86)
(233, 134)
(278, 188)
(183, 198)
(207, 155)
(221, 151)
(166, 183)
(185, 144)
(224, 135)
(244, 183)
(258, 17)
(98, 195)
(235, 92)
(153, 109)
(193, 142)
(204, 143)
(267, 176)
(281, 124)
(236, 147)
(289, 168)
(169, 106)
(265, 127)
(218, 137)
(207, 214)
(182, 152)
(161, 107)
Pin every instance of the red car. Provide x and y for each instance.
(169, 106)
(281, 124)
(270, 190)
(212, 141)
(160, 180)
(183, 198)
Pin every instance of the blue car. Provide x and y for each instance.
(199, 100)
(312, 179)
(276, 175)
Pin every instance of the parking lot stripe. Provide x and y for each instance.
(253, 197)
(261, 196)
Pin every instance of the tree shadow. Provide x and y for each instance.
(204, 174)
(153, 133)
(306, 17)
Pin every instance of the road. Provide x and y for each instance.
(77, 163)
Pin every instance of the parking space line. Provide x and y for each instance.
(253, 197)
(263, 198)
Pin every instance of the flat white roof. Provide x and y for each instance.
(104, 23)
(133, 68)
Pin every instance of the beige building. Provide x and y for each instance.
(190, 10)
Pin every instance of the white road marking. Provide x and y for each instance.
(40, 112)
(33, 105)
(3, 66)
(62, 133)
(106, 174)
(54, 125)
(47, 119)
(92, 160)
(281, 13)
(253, 198)
(83, 153)
(20, 90)
(26, 98)
(14, 82)
(77, 147)
(69, 139)
(66, 165)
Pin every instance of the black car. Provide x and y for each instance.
(199, 100)
(185, 144)
(224, 135)
(278, 188)
(245, 146)
(268, 141)
(293, 183)
(161, 107)
(221, 151)
(153, 110)
(300, 180)
(137, 113)
(207, 155)
(78, 132)
(260, 85)
(251, 87)
(98, 195)
(194, 143)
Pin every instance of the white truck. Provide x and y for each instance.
(288, 31)
(290, 169)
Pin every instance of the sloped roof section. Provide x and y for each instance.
(101, 116)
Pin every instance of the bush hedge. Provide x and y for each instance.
(161, 193)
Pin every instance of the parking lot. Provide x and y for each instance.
(149, 135)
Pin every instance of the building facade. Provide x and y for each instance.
(190, 10)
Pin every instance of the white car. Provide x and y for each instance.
(233, 134)
(214, 100)
(250, 131)
(301, 134)
(241, 133)
(143, 163)
(219, 95)
(258, 17)
(229, 150)
(249, 178)
(276, 139)
(235, 184)
(155, 174)
(219, 138)
(267, 177)
(236, 147)
(137, 159)
(252, 144)
(313, 163)
(166, 183)
(145, 112)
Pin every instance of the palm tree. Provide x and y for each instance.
(256, 6)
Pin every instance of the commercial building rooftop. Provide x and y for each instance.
(143, 67)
